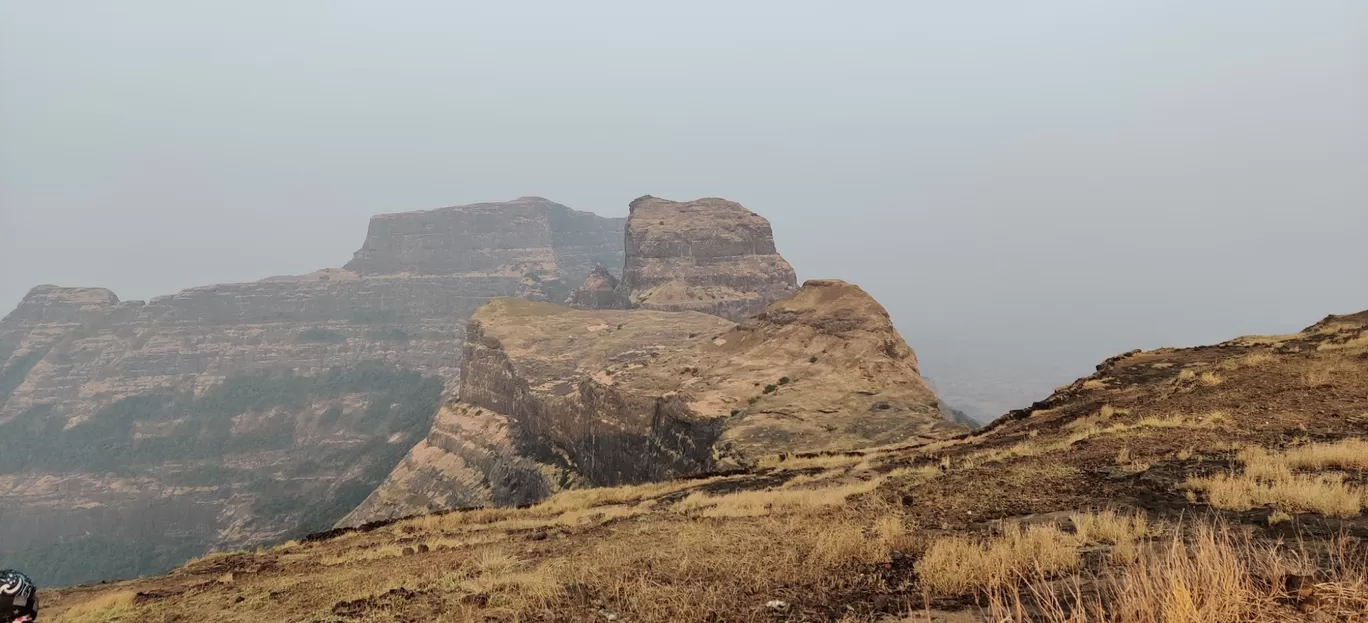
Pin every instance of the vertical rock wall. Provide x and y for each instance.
(709, 255)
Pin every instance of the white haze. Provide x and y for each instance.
(1029, 187)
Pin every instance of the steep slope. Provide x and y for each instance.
(903, 532)
(554, 397)
(140, 434)
(710, 255)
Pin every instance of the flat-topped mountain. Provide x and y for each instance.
(554, 397)
(710, 255)
(230, 415)
(528, 238)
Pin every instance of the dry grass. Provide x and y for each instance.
(1086, 428)
(580, 499)
(1252, 360)
(1122, 531)
(1347, 454)
(1207, 378)
(1095, 383)
(1357, 343)
(827, 461)
(714, 570)
(1266, 340)
(771, 501)
(1271, 479)
(1211, 577)
(961, 565)
(1107, 412)
(1110, 526)
(1326, 370)
(109, 607)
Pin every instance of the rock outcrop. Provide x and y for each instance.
(231, 415)
(554, 397)
(710, 255)
(599, 291)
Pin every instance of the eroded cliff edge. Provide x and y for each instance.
(140, 434)
(554, 397)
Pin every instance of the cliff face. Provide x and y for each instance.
(710, 255)
(554, 397)
(140, 434)
(548, 247)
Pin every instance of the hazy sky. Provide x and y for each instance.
(1028, 186)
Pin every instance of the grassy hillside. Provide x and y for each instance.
(1223, 483)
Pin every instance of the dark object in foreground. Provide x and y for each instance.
(18, 598)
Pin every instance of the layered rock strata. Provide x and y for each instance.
(710, 255)
(144, 433)
(554, 397)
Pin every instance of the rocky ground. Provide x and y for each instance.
(1223, 483)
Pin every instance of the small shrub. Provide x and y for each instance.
(785, 381)
(770, 389)
(812, 359)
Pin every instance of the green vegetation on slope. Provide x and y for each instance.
(200, 428)
(141, 433)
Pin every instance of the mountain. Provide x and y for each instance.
(708, 255)
(555, 398)
(1221, 483)
(135, 435)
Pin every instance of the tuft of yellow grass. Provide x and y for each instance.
(1326, 494)
(1356, 343)
(1095, 383)
(697, 570)
(1252, 360)
(959, 565)
(1211, 577)
(825, 461)
(579, 499)
(105, 607)
(1273, 479)
(772, 501)
(1347, 454)
(1109, 526)
(1324, 371)
(1105, 413)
